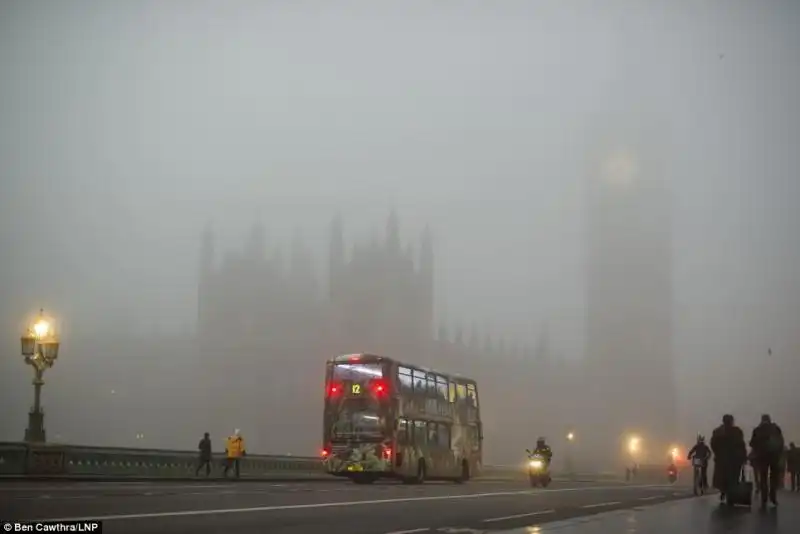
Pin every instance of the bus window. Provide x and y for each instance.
(402, 432)
(431, 380)
(433, 435)
(420, 433)
(404, 376)
(472, 395)
(452, 392)
(354, 372)
(462, 391)
(441, 388)
(444, 436)
(419, 382)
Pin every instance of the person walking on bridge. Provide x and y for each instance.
(730, 455)
(234, 450)
(205, 455)
(793, 464)
(768, 445)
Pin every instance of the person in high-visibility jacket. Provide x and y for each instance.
(234, 450)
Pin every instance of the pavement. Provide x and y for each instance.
(310, 507)
(689, 515)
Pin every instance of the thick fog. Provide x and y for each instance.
(595, 201)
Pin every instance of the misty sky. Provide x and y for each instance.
(127, 126)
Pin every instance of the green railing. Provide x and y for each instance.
(80, 461)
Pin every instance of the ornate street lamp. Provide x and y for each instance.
(40, 349)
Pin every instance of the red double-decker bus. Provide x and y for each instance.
(387, 419)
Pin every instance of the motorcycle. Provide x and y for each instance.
(538, 470)
(672, 474)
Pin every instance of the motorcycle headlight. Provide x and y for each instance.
(536, 464)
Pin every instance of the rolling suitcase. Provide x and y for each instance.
(741, 492)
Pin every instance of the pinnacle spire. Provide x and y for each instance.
(393, 232)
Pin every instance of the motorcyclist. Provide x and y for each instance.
(702, 452)
(543, 449)
(672, 470)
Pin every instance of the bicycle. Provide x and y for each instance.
(698, 484)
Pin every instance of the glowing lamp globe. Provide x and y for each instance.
(28, 341)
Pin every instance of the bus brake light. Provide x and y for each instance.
(334, 390)
(379, 388)
(325, 452)
(387, 453)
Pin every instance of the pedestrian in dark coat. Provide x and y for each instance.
(730, 454)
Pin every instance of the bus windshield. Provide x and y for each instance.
(356, 372)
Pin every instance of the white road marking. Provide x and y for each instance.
(601, 504)
(410, 531)
(32, 497)
(649, 498)
(186, 513)
(106, 486)
(517, 516)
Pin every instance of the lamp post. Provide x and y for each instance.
(568, 458)
(634, 446)
(40, 349)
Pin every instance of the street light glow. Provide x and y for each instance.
(570, 436)
(674, 452)
(633, 444)
(41, 328)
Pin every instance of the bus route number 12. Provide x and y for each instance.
(355, 389)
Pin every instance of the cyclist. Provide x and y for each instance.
(702, 452)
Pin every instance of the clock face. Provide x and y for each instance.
(619, 168)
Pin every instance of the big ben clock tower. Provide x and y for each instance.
(629, 360)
